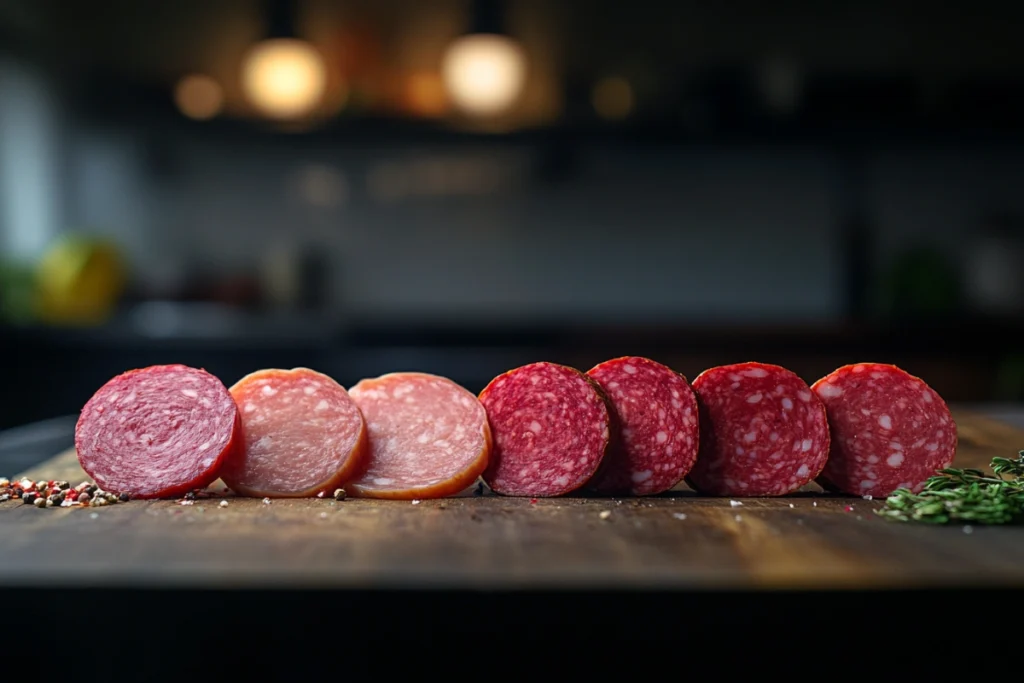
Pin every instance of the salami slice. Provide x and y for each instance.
(763, 432)
(429, 437)
(303, 435)
(658, 436)
(158, 432)
(552, 428)
(889, 430)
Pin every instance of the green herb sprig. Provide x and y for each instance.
(966, 496)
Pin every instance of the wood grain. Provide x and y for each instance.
(675, 541)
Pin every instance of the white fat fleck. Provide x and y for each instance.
(754, 398)
(896, 445)
(877, 375)
(383, 481)
(113, 397)
(865, 412)
(661, 437)
(873, 459)
(773, 437)
(749, 437)
(734, 377)
(562, 481)
(191, 393)
(322, 405)
(787, 403)
(268, 390)
(535, 427)
(932, 447)
(806, 444)
(804, 396)
(309, 391)
(534, 380)
(204, 446)
(803, 471)
(423, 438)
(583, 460)
(639, 477)
(249, 407)
(442, 444)
(829, 390)
(630, 369)
(866, 484)
(677, 404)
(756, 372)
(613, 385)
(894, 460)
(669, 451)
(675, 393)
(927, 396)
(858, 368)
(264, 443)
(885, 422)
(735, 385)
(739, 450)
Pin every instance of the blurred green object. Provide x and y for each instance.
(79, 281)
(17, 292)
(921, 283)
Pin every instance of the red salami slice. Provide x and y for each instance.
(157, 432)
(656, 412)
(429, 437)
(763, 432)
(551, 427)
(303, 435)
(889, 430)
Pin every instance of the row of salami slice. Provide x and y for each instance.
(629, 426)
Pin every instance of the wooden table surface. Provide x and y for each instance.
(676, 541)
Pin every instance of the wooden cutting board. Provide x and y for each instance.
(676, 541)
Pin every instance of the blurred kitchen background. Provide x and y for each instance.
(460, 187)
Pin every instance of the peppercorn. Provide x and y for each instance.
(18, 492)
(92, 489)
(41, 502)
(100, 502)
(84, 497)
(28, 498)
(50, 503)
(124, 497)
(191, 495)
(63, 485)
(4, 482)
(339, 494)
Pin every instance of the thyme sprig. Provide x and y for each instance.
(967, 496)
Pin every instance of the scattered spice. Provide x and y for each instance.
(814, 503)
(223, 503)
(792, 506)
(416, 502)
(849, 508)
(479, 489)
(679, 515)
(320, 495)
(868, 497)
(738, 518)
(340, 494)
(605, 514)
(266, 501)
(533, 501)
(124, 497)
(191, 495)
(735, 503)
(41, 502)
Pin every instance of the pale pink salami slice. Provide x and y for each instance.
(890, 430)
(658, 434)
(303, 435)
(429, 437)
(763, 432)
(158, 432)
(551, 428)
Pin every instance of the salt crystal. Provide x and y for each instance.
(735, 503)
(416, 502)
(815, 503)
(94, 515)
(791, 505)
(187, 502)
(320, 495)
(968, 529)
(679, 515)
(867, 497)
(223, 503)
(738, 518)
(605, 514)
(266, 501)
(323, 515)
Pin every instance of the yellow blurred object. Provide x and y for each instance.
(79, 281)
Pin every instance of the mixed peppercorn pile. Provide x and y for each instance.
(54, 493)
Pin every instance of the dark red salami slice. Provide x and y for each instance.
(429, 437)
(158, 432)
(763, 432)
(658, 429)
(551, 428)
(890, 430)
(303, 435)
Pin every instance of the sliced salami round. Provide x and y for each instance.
(658, 429)
(890, 430)
(303, 435)
(429, 437)
(551, 426)
(158, 432)
(763, 432)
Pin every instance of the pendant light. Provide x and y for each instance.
(283, 76)
(484, 70)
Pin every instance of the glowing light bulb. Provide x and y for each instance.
(484, 73)
(284, 78)
(199, 97)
